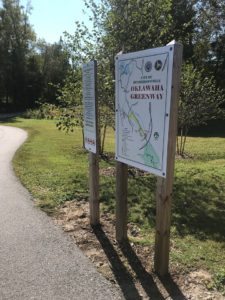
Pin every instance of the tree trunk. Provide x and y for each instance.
(103, 138)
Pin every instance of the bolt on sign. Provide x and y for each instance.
(89, 105)
(143, 94)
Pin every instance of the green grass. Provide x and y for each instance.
(53, 166)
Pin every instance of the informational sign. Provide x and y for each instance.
(89, 104)
(143, 94)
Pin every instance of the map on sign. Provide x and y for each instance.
(143, 92)
(89, 104)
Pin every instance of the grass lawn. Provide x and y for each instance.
(53, 166)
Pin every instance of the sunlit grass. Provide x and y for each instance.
(54, 168)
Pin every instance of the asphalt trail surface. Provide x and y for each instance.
(37, 259)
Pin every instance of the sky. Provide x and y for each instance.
(50, 18)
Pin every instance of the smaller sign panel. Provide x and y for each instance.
(89, 104)
(143, 94)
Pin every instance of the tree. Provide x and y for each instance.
(110, 35)
(200, 101)
(16, 37)
(34, 76)
(70, 101)
(53, 66)
(183, 26)
(30, 71)
(209, 52)
(131, 25)
(80, 49)
(84, 46)
(137, 25)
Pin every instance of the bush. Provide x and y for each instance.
(45, 111)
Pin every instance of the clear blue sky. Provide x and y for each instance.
(50, 18)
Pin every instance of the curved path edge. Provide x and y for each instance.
(37, 259)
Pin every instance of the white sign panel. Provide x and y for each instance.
(89, 103)
(143, 93)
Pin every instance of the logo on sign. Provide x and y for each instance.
(156, 135)
(148, 66)
(158, 65)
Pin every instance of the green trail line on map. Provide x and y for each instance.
(131, 117)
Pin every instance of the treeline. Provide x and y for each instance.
(133, 25)
(30, 70)
(34, 71)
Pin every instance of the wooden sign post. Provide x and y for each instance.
(121, 197)
(147, 85)
(165, 185)
(91, 135)
(94, 189)
(121, 201)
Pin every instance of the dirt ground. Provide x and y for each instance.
(129, 266)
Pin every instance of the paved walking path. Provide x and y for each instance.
(37, 259)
